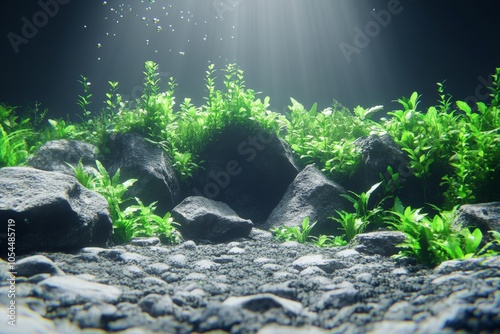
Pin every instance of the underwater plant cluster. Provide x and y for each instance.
(451, 149)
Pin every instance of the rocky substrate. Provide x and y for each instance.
(254, 285)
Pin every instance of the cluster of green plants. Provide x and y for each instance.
(428, 241)
(136, 220)
(302, 234)
(459, 145)
(449, 142)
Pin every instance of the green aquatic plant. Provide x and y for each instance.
(85, 178)
(326, 138)
(16, 137)
(300, 233)
(142, 221)
(354, 223)
(329, 241)
(85, 100)
(13, 147)
(136, 220)
(432, 241)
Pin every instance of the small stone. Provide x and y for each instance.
(328, 265)
(262, 302)
(345, 295)
(263, 260)
(312, 271)
(195, 277)
(236, 250)
(37, 264)
(348, 253)
(399, 311)
(157, 268)
(153, 241)
(205, 265)
(76, 290)
(190, 244)
(134, 271)
(290, 244)
(178, 261)
(157, 305)
(129, 257)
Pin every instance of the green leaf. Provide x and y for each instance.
(464, 107)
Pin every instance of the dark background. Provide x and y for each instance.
(287, 48)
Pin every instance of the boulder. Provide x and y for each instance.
(247, 169)
(55, 155)
(485, 216)
(149, 164)
(378, 153)
(51, 211)
(310, 195)
(203, 219)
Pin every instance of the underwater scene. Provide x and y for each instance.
(250, 166)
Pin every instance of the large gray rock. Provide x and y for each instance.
(378, 153)
(203, 219)
(55, 155)
(485, 216)
(71, 290)
(247, 169)
(52, 211)
(149, 164)
(310, 195)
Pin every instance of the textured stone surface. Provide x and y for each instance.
(310, 195)
(247, 169)
(256, 291)
(485, 216)
(55, 155)
(139, 159)
(204, 219)
(383, 243)
(52, 211)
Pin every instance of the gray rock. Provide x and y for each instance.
(400, 311)
(262, 302)
(157, 268)
(54, 156)
(485, 216)
(204, 219)
(377, 153)
(149, 164)
(52, 211)
(36, 264)
(240, 165)
(345, 295)
(157, 305)
(178, 261)
(327, 265)
(310, 195)
(72, 290)
(152, 241)
(382, 243)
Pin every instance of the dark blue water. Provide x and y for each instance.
(358, 52)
